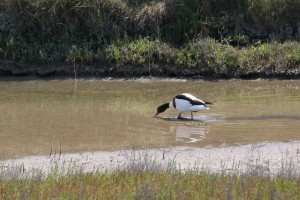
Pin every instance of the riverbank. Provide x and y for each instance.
(207, 39)
(269, 159)
(83, 71)
(201, 58)
(269, 170)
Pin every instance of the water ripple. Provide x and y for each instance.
(264, 117)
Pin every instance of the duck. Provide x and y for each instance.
(184, 103)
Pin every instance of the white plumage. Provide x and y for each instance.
(185, 106)
(184, 103)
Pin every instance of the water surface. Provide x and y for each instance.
(39, 117)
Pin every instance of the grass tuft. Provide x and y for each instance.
(143, 175)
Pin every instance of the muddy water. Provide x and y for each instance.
(39, 117)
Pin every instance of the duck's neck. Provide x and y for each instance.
(164, 107)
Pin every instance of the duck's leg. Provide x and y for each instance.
(179, 116)
(192, 116)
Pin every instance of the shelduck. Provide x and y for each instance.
(184, 103)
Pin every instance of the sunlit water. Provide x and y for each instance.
(39, 117)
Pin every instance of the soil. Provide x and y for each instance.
(140, 71)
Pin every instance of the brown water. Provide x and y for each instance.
(42, 116)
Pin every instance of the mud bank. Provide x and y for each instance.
(140, 71)
(267, 159)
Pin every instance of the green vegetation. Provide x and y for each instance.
(214, 35)
(207, 53)
(150, 185)
(143, 175)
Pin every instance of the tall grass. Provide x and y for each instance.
(147, 32)
(107, 20)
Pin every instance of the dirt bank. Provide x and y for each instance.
(139, 71)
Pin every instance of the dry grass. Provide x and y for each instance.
(108, 20)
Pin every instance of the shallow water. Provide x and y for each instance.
(40, 117)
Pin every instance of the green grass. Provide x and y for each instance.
(207, 53)
(202, 53)
(144, 176)
(151, 185)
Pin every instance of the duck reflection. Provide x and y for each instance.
(189, 134)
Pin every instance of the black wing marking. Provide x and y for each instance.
(174, 102)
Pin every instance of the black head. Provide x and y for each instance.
(161, 109)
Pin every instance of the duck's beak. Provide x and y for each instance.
(156, 115)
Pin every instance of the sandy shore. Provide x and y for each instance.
(268, 158)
